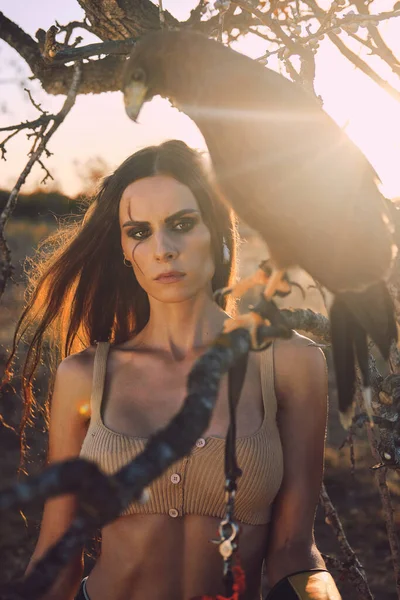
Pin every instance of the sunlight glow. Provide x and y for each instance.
(367, 113)
(98, 125)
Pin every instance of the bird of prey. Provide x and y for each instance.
(291, 173)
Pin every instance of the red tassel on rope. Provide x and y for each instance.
(239, 585)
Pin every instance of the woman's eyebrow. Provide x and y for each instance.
(170, 219)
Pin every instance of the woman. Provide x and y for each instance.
(131, 305)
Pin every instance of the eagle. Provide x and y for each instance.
(292, 174)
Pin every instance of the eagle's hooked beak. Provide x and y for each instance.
(134, 97)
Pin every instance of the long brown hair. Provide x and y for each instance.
(79, 291)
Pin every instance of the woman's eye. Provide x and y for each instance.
(181, 226)
(185, 225)
(137, 234)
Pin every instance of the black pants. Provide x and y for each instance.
(82, 593)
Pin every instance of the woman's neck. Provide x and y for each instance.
(182, 330)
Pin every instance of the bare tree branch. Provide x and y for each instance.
(381, 48)
(352, 567)
(352, 57)
(384, 493)
(117, 20)
(105, 74)
(11, 202)
(6, 270)
(3, 143)
(362, 65)
(394, 65)
(44, 119)
(379, 407)
(71, 54)
(352, 574)
(69, 28)
(97, 76)
(273, 25)
(20, 41)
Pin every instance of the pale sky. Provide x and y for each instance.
(98, 126)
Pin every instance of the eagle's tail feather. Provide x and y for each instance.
(354, 316)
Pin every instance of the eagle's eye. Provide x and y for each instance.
(138, 75)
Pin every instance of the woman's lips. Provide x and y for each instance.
(170, 278)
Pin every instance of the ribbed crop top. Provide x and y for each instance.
(195, 484)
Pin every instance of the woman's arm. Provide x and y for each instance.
(301, 390)
(67, 431)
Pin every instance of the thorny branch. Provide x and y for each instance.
(385, 404)
(384, 493)
(352, 566)
(35, 156)
(41, 122)
(352, 573)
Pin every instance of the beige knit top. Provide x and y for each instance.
(195, 484)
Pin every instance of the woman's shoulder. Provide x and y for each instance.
(296, 346)
(78, 365)
(299, 367)
(73, 387)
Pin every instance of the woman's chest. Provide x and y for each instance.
(194, 484)
(138, 401)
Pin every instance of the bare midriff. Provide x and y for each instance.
(157, 557)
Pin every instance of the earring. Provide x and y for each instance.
(226, 255)
(127, 263)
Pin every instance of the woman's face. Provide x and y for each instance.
(162, 230)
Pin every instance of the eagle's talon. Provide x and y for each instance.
(262, 331)
(266, 334)
(268, 310)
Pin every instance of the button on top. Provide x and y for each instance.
(200, 443)
(173, 512)
(175, 478)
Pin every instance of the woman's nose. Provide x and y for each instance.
(164, 248)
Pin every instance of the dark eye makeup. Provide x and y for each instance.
(183, 225)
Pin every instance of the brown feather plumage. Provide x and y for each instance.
(282, 163)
